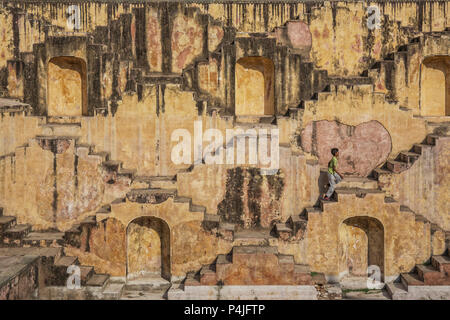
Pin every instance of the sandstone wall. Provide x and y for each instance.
(424, 187)
(406, 241)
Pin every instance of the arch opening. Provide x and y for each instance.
(67, 87)
(254, 89)
(435, 86)
(148, 249)
(361, 248)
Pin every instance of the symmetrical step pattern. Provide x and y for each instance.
(251, 265)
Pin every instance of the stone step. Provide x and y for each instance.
(283, 231)
(112, 165)
(208, 275)
(150, 195)
(98, 281)
(441, 263)
(128, 173)
(223, 259)
(358, 182)
(302, 268)
(252, 237)
(160, 182)
(66, 261)
(44, 239)
(431, 139)
(226, 230)
(113, 291)
(429, 275)
(248, 250)
(358, 192)
(313, 209)
(227, 226)
(192, 279)
(396, 290)
(418, 148)
(7, 222)
(197, 208)
(54, 253)
(396, 166)
(377, 173)
(16, 232)
(286, 259)
(90, 220)
(207, 269)
(147, 283)
(296, 222)
(86, 272)
(302, 274)
(410, 279)
(210, 221)
(179, 199)
(408, 157)
(101, 154)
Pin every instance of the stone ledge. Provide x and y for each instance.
(272, 292)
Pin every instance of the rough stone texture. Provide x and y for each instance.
(63, 195)
(362, 148)
(244, 293)
(67, 86)
(403, 235)
(435, 98)
(353, 106)
(424, 187)
(156, 67)
(254, 86)
(18, 277)
(187, 38)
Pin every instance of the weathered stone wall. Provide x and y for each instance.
(355, 105)
(40, 184)
(406, 241)
(190, 245)
(157, 67)
(424, 186)
(361, 148)
(20, 278)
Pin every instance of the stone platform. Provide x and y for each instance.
(252, 292)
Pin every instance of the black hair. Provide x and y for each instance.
(334, 151)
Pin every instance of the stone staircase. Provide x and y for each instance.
(381, 75)
(18, 240)
(248, 272)
(294, 228)
(415, 285)
(237, 268)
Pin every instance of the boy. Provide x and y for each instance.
(334, 177)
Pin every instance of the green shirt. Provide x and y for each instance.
(332, 164)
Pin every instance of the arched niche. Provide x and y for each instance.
(435, 86)
(148, 248)
(361, 245)
(254, 86)
(67, 86)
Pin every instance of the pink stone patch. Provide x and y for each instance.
(362, 148)
(299, 34)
